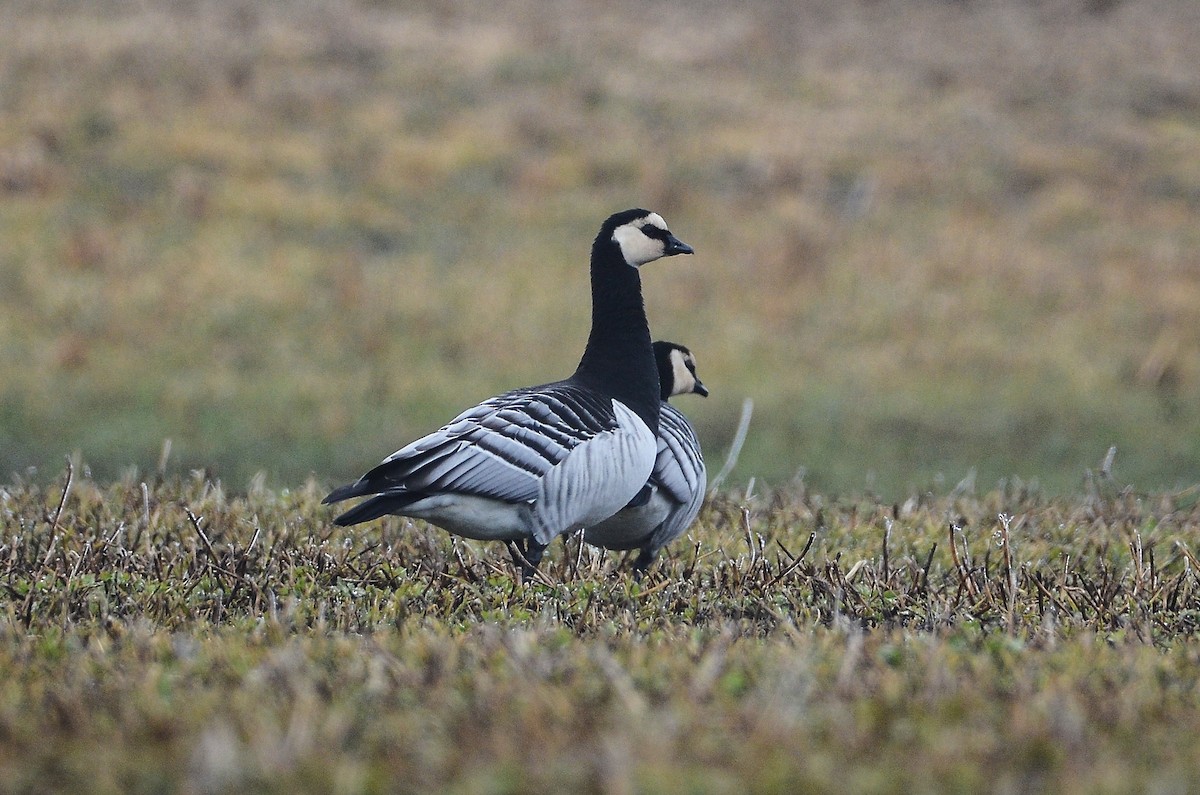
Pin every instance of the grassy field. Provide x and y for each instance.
(932, 237)
(167, 636)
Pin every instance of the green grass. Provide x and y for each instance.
(169, 636)
(931, 238)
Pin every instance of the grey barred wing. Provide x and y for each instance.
(679, 466)
(501, 448)
(680, 471)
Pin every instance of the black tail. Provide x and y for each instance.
(388, 476)
(355, 489)
(377, 506)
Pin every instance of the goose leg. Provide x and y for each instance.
(534, 552)
(644, 559)
(526, 555)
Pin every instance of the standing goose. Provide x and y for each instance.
(676, 486)
(533, 463)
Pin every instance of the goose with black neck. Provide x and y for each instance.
(531, 464)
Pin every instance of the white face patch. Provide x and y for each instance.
(635, 245)
(654, 219)
(682, 380)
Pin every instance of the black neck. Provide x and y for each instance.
(619, 359)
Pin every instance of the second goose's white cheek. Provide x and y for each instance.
(685, 382)
(636, 247)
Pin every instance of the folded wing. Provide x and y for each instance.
(500, 449)
(678, 470)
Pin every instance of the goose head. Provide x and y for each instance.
(642, 236)
(677, 370)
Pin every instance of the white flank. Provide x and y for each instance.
(630, 527)
(481, 518)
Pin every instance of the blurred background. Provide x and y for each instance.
(932, 237)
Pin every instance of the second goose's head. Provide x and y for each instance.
(642, 236)
(677, 370)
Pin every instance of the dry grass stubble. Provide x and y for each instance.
(168, 635)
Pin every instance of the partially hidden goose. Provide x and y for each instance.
(677, 483)
(528, 465)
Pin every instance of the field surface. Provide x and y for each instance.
(932, 237)
(170, 637)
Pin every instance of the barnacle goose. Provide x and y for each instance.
(533, 463)
(676, 486)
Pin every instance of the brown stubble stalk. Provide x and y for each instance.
(964, 577)
(1010, 574)
(68, 480)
